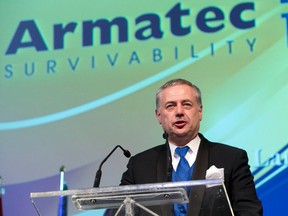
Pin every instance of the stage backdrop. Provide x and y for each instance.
(78, 78)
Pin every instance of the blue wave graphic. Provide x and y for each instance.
(274, 170)
(94, 104)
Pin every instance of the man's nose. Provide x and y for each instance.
(179, 110)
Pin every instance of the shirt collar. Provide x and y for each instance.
(193, 146)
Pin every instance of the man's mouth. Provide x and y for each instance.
(180, 124)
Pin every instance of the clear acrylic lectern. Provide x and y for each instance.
(207, 197)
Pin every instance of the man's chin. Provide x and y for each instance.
(180, 134)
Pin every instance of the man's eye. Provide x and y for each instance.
(187, 105)
(169, 106)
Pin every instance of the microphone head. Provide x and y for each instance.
(62, 168)
(165, 135)
(127, 153)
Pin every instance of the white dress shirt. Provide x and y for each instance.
(191, 154)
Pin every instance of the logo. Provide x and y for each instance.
(151, 27)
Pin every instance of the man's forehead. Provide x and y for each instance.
(178, 95)
(178, 91)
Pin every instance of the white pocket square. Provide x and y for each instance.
(215, 173)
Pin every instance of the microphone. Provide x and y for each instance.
(99, 172)
(169, 167)
(165, 136)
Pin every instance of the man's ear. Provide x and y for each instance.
(157, 113)
(200, 112)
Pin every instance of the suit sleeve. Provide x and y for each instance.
(127, 177)
(141, 168)
(242, 190)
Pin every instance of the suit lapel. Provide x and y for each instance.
(201, 163)
(163, 164)
(164, 172)
(200, 167)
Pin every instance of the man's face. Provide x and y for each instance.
(179, 113)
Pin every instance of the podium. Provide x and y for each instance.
(207, 197)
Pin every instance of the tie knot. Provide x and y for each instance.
(182, 151)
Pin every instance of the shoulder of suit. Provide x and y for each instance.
(152, 151)
(218, 145)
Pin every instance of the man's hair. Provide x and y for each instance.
(175, 82)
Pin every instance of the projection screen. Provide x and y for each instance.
(78, 78)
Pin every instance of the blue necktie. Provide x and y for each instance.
(182, 174)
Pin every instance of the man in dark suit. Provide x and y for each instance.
(179, 112)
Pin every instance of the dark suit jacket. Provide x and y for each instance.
(154, 165)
